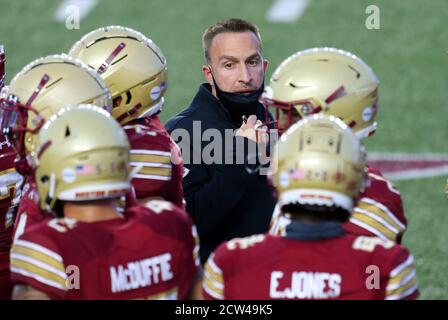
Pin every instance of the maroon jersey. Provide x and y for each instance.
(342, 267)
(148, 254)
(10, 191)
(156, 160)
(379, 211)
(29, 212)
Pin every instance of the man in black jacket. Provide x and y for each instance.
(226, 193)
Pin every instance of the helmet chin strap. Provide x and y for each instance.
(155, 109)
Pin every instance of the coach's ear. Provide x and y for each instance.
(207, 71)
(265, 65)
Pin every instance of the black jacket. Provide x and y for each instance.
(224, 200)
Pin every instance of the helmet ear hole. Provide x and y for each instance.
(117, 101)
(44, 179)
(67, 131)
(128, 97)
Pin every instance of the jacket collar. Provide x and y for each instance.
(313, 231)
(298, 230)
(207, 103)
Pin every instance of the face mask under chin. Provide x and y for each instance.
(239, 104)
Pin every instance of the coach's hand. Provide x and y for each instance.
(253, 130)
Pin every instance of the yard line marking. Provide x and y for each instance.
(418, 174)
(403, 166)
(286, 10)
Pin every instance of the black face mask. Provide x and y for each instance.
(239, 104)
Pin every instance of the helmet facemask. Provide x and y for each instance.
(13, 124)
(285, 114)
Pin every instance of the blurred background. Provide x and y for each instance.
(409, 53)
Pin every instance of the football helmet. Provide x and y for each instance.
(133, 67)
(42, 88)
(327, 80)
(83, 154)
(318, 162)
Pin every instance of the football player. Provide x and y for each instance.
(90, 250)
(10, 192)
(338, 83)
(135, 70)
(36, 93)
(318, 171)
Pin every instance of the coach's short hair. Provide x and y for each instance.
(230, 25)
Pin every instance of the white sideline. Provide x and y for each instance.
(286, 10)
(417, 174)
(375, 156)
(436, 171)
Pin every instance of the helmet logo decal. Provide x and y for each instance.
(105, 65)
(85, 195)
(68, 175)
(296, 174)
(43, 148)
(338, 177)
(339, 92)
(67, 131)
(155, 93)
(36, 91)
(84, 170)
(284, 179)
(367, 114)
(358, 74)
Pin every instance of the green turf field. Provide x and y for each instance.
(409, 53)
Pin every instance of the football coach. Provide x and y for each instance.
(226, 195)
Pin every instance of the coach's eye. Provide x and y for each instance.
(253, 63)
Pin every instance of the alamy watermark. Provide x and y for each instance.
(73, 277)
(373, 19)
(214, 147)
(73, 20)
(373, 278)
